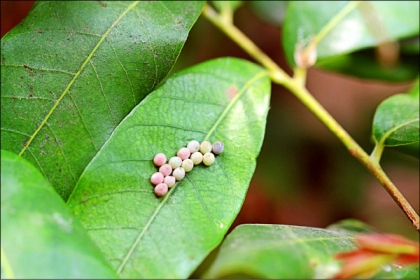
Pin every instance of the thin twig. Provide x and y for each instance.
(296, 87)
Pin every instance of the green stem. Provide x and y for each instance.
(244, 42)
(380, 145)
(226, 13)
(377, 152)
(370, 163)
(299, 75)
(296, 87)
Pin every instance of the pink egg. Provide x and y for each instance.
(165, 169)
(183, 153)
(161, 189)
(159, 159)
(156, 178)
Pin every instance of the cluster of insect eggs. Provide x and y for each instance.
(186, 158)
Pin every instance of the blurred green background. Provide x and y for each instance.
(304, 175)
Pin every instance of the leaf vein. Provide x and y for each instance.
(59, 146)
(66, 90)
(144, 230)
(38, 163)
(119, 162)
(84, 200)
(125, 71)
(235, 99)
(29, 98)
(166, 197)
(392, 130)
(279, 243)
(102, 90)
(162, 3)
(83, 121)
(150, 46)
(200, 198)
(191, 101)
(111, 228)
(15, 131)
(38, 68)
(167, 126)
(219, 164)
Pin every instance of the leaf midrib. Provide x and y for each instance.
(258, 76)
(82, 67)
(278, 244)
(333, 22)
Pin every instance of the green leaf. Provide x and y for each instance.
(230, 5)
(40, 238)
(342, 27)
(414, 91)
(287, 252)
(363, 64)
(396, 121)
(271, 11)
(71, 71)
(413, 148)
(279, 252)
(351, 226)
(144, 236)
(393, 271)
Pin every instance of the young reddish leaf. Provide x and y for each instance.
(375, 251)
(361, 263)
(388, 243)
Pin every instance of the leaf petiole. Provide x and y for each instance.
(377, 152)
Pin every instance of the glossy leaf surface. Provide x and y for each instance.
(350, 226)
(71, 71)
(287, 252)
(144, 236)
(40, 238)
(396, 121)
(279, 252)
(412, 149)
(393, 271)
(415, 91)
(364, 25)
